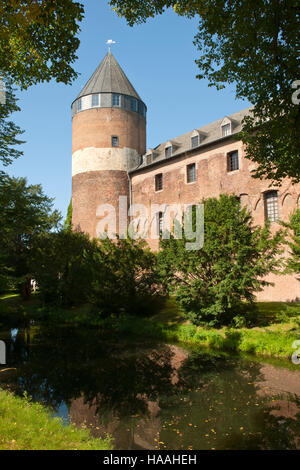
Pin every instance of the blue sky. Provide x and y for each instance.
(158, 58)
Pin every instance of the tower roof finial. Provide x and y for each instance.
(109, 42)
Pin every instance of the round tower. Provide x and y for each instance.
(109, 137)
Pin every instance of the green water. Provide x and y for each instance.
(155, 396)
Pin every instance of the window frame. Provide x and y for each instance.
(95, 95)
(227, 127)
(193, 167)
(198, 141)
(169, 151)
(116, 138)
(271, 205)
(118, 97)
(133, 104)
(160, 223)
(159, 182)
(233, 164)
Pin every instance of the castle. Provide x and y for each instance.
(109, 160)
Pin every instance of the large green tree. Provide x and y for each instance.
(65, 266)
(38, 40)
(253, 44)
(25, 212)
(9, 131)
(212, 284)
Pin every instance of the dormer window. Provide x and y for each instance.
(195, 141)
(168, 151)
(226, 130)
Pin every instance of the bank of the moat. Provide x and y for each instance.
(154, 395)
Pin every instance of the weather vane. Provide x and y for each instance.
(109, 43)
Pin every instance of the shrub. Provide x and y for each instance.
(213, 284)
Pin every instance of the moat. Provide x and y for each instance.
(155, 396)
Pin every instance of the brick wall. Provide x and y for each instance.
(212, 180)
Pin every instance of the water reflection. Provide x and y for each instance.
(155, 396)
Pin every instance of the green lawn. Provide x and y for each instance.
(29, 426)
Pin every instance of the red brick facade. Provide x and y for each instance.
(105, 180)
(213, 179)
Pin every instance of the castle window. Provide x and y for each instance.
(233, 161)
(168, 151)
(79, 104)
(159, 182)
(226, 130)
(95, 100)
(160, 223)
(191, 173)
(114, 141)
(195, 141)
(116, 100)
(271, 205)
(133, 104)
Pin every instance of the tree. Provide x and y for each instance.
(114, 276)
(68, 221)
(9, 131)
(255, 45)
(212, 284)
(294, 243)
(25, 212)
(38, 40)
(65, 266)
(133, 284)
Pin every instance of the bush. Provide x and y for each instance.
(117, 277)
(132, 284)
(213, 284)
(64, 267)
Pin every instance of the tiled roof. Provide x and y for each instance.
(109, 78)
(209, 134)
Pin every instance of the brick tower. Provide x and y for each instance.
(109, 137)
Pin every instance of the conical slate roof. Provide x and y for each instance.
(109, 78)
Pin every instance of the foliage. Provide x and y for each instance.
(25, 212)
(253, 44)
(29, 426)
(68, 221)
(38, 40)
(9, 131)
(64, 267)
(211, 284)
(133, 285)
(294, 243)
(116, 277)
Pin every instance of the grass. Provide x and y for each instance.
(275, 339)
(277, 325)
(29, 426)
